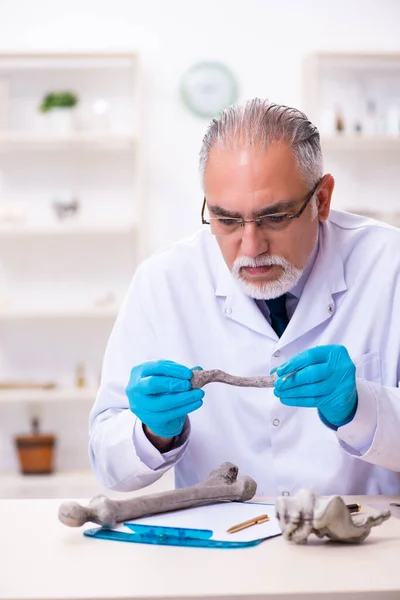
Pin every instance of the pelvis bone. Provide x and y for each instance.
(307, 513)
(223, 484)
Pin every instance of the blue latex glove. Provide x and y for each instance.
(326, 379)
(160, 395)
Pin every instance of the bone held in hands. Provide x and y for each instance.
(201, 378)
(222, 485)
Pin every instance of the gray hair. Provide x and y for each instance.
(259, 122)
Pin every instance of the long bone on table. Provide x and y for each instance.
(201, 378)
(223, 484)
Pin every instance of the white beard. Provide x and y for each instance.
(268, 289)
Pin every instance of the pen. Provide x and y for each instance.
(255, 521)
(353, 508)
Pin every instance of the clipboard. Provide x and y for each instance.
(200, 527)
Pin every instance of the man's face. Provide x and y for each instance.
(248, 183)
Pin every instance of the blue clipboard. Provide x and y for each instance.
(160, 535)
(166, 536)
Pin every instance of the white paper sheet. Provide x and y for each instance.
(219, 518)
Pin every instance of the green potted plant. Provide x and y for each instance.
(58, 106)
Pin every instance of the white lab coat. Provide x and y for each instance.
(183, 305)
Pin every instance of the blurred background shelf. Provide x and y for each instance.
(22, 230)
(86, 312)
(74, 484)
(353, 143)
(354, 100)
(21, 61)
(48, 395)
(21, 140)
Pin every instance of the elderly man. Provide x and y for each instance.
(277, 282)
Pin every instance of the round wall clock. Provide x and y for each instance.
(208, 87)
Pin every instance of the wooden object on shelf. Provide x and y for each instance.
(80, 376)
(339, 125)
(26, 385)
(35, 451)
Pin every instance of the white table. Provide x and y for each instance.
(43, 559)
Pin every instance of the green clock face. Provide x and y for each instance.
(208, 87)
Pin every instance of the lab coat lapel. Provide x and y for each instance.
(326, 280)
(238, 306)
(317, 302)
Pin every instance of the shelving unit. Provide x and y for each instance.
(354, 99)
(361, 88)
(72, 218)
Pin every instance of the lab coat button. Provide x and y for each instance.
(331, 307)
(276, 422)
(227, 311)
(277, 353)
(285, 493)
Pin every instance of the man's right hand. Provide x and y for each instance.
(160, 395)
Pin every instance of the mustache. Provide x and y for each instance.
(266, 260)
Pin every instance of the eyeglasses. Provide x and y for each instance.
(220, 226)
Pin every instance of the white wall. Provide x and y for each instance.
(264, 41)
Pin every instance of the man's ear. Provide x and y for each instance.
(324, 197)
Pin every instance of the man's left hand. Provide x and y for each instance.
(324, 378)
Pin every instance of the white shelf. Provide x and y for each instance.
(72, 484)
(44, 395)
(356, 61)
(28, 313)
(18, 140)
(77, 61)
(11, 230)
(360, 142)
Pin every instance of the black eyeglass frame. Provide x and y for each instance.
(243, 221)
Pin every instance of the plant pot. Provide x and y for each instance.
(35, 453)
(60, 120)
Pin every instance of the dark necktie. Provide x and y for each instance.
(278, 314)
